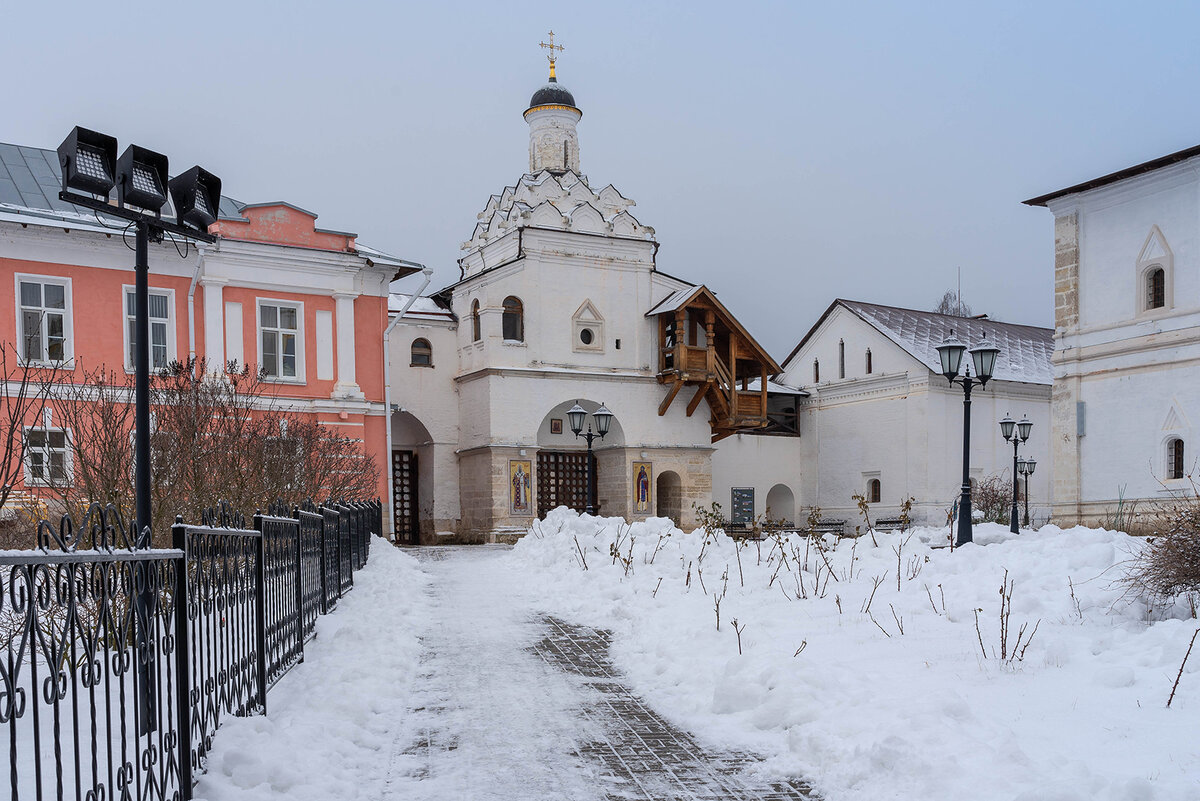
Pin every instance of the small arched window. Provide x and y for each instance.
(1175, 458)
(869, 365)
(816, 371)
(873, 491)
(1156, 288)
(841, 358)
(476, 332)
(422, 353)
(514, 320)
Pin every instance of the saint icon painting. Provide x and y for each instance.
(642, 473)
(520, 486)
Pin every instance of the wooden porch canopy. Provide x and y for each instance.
(702, 345)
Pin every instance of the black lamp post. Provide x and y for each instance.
(1025, 468)
(576, 415)
(1016, 433)
(90, 171)
(983, 356)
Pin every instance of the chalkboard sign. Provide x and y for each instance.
(742, 505)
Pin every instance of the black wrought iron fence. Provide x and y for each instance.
(118, 663)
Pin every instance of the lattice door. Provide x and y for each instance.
(562, 481)
(404, 496)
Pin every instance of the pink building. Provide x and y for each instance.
(305, 304)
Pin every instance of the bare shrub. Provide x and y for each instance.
(1169, 565)
(993, 497)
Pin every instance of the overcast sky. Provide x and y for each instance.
(786, 153)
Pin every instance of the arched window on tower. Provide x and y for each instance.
(874, 492)
(514, 320)
(476, 331)
(1175, 458)
(1156, 288)
(870, 367)
(841, 358)
(816, 371)
(422, 353)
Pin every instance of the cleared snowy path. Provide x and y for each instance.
(447, 682)
(513, 705)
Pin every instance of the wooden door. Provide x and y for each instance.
(562, 481)
(404, 497)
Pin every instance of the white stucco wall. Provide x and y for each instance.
(1128, 378)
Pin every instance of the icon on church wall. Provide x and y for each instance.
(555, 425)
(520, 487)
(643, 472)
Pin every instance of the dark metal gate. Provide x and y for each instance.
(562, 481)
(404, 496)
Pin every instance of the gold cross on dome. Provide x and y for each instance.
(552, 56)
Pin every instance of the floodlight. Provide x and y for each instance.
(87, 160)
(197, 197)
(142, 178)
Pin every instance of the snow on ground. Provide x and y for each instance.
(867, 711)
(333, 718)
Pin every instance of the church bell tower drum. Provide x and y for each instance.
(552, 116)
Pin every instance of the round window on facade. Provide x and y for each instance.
(586, 336)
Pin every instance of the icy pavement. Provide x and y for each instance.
(439, 678)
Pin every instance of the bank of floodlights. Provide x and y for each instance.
(91, 170)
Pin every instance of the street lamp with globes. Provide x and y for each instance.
(983, 357)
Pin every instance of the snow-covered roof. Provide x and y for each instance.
(1025, 350)
(422, 308)
(557, 200)
(776, 387)
(673, 301)
(30, 182)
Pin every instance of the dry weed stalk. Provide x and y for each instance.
(738, 631)
(1175, 686)
(865, 511)
(875, 582)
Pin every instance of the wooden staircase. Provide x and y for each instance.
(701, 345)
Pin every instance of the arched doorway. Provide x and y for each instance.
(781, 504)
(562, 467)
(669, 492)
(411, 469)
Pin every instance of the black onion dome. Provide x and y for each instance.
(552, 94)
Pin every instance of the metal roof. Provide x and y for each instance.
(1025, 350)
(1119, 175)
(30, 180)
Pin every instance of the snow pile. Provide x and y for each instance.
(330, 721)
(891, 696)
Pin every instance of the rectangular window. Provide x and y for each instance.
(46, 461)
(43, 319)
(162, 349)
(279, 336)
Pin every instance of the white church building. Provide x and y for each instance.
(1126, 337)
(559, 302)
(876, 418)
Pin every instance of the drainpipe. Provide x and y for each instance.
(387, 384)
(191, 306)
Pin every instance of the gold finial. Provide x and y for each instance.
(551, 55)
